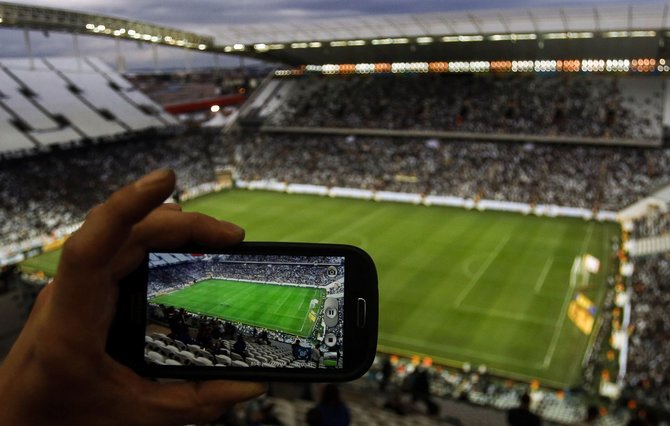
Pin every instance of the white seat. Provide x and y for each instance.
(223, 359)
(202, 361)
(240, 364)
(172, 362)
(155, 356)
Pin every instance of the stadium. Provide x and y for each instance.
(507, 170)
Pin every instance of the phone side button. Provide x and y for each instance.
(361, 313)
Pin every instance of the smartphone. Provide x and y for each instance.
(255, 311)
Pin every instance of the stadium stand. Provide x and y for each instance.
(590, 177)
(57, 95)
(58, 189)
(648, 376)
(583, 106)
(62, 100)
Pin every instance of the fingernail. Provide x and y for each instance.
(153, 178)
(237, 229)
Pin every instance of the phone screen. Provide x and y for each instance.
(244, 310)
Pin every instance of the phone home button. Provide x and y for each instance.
(361, 313)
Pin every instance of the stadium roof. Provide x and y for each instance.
(592, 19)
(578, 32)
(612, 31)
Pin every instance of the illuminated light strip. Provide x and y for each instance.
(644, 65)
(512, 37)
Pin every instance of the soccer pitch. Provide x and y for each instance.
(275, 307)
(456, 285)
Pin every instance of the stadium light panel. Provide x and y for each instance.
(215, 108)
(90, 26)
(338, 43)
(615, 34)
(132, 32)
(356, 43)
(378, 41)
(276, 46)
(299, 45)
(470, 38)
(643, 34)
(583, 34)
(556, 36)
(528, 36)
(424, 40)
(315, 44)
(238, 46)
(401, 40)
(260, 47)
(449, 39)
(500, 37)
(202, 47)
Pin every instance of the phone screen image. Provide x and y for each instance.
(245, 310)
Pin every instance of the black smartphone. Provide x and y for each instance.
(255, 311)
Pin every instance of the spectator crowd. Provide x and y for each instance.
(577, 106)
(648, 375)
(41, 193)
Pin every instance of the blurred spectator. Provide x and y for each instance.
(330, 411)
(522, 416)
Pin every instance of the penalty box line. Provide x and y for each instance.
(564, 309)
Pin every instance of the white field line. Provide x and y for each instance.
(543, 274)
(404, 341)
(304, 319)
(587, 239)
(463, 294)
(564, 308)
(513, 316)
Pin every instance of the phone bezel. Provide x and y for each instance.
(126, 338)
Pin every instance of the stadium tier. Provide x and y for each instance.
(593, 178)
(52, 101)
(541, 105)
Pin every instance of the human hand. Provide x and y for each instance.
(58, 372)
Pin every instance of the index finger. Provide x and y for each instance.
(108, 226)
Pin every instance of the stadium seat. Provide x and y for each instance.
(187, 358)
(172, 349)
(240, 364)
(158, 336)
(203, 362)
(235, 356)
(223, 359)
(150, 360)
(253, 362)
(204, 354)
(148, 339)
(180, 345)
(155, 356)
(172, 362)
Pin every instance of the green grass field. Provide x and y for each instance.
(461, 286)
(282, 308)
